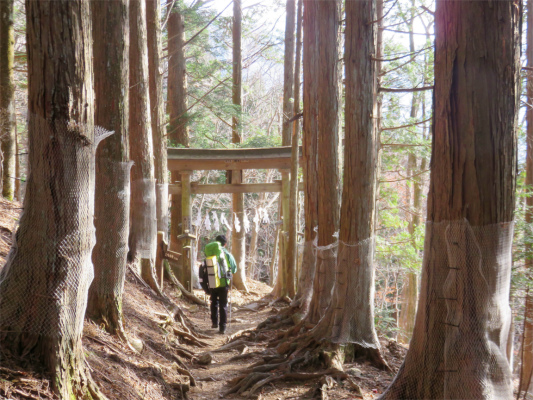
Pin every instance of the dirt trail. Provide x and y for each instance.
(213, 379)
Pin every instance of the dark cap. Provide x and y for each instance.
(222, 239)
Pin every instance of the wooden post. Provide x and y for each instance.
(273, 259)
(186, 225)
(175, 221)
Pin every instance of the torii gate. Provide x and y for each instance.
(184, 161)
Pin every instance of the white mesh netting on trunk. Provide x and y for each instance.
(460, 341)
(45, 281)
(110, 250)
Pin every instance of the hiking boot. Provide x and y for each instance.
(222, 330)
(214, 325)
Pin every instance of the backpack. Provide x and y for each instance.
(214, 268)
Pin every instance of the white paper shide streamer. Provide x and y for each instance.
(236, 222)
(224, 221)
(198, 219)
(256, 221)
(216, 222)
(246, 223)
(263, 214)
(207, 222)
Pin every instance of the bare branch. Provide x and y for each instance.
(401, 90)
(406, 126)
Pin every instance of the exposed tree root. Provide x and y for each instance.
(274, 322)
(303, 351)
(183, 352)
(249, 335)
(256, 380)
(240, 334)
(173, 309)
(371, 355)
(247, 382)
(189, 338)
(237, 345)
(244, 356)
(284, 299)
(186, 372)
(188, 295)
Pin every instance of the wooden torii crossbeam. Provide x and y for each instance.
(181, 159)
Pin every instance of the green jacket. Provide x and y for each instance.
(216, 249)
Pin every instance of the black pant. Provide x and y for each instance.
(219, 296)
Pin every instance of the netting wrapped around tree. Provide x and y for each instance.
(459, 345)
(349, 323)
(46, 285)
(304, 291)
(110, 250)
(143, 228)
(162, 207)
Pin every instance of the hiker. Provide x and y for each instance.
(219, 294)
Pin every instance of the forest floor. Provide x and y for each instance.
(162, 354)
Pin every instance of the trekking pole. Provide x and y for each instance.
(230, 302)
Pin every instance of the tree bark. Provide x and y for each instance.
(458, 349)
(310, 151)
(51, 257)
(286, 276)
(157, 112)
(112, 201)
(292, 246)
(238, 239)
(178, 128)
(143, 225)
(7, 99)
(526, 371)
(328, 157)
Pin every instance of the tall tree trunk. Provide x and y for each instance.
(238, 239)
(526, 372)
(328, 185)
(310, 151)
(112, 201)
(143, 224)
(157, 112)
(458, 349)
(7, 99)
(51, 257)
(178, 128)
(409, 294)
(285, 276)
(292, 246)
(350, 318)
(17, 165)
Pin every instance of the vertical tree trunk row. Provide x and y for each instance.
(178, 128)
(143, 224)
(328, 184)
(350, 317)
(157, 112)
(112, 207)
(526, 372)
(310, 151)
(238, 242)
(292, 246)
(7, 100)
